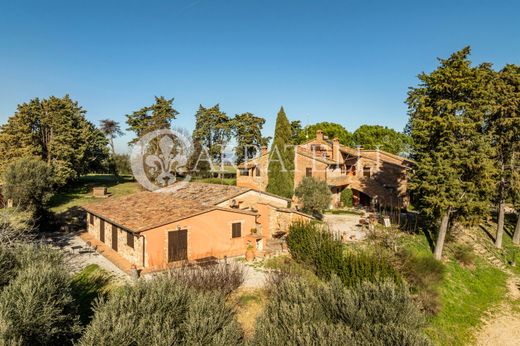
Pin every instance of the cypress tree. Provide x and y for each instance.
(281, 159)
(454, 176)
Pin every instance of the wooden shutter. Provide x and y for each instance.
(102, 230)
(236, 230)
(130, 239)
(177, 245)
(308, 172)
(114, 238)
(91, 219)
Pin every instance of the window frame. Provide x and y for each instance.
(130, 240)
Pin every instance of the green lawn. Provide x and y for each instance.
(466, 294)
(80, 193)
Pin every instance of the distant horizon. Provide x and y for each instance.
(345, 62)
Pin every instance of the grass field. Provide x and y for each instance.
(467, 293)
(81, 192)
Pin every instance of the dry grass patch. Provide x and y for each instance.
(249, 302)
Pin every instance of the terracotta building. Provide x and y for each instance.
(375, 177)
(194, 222)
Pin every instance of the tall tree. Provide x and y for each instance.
(155, 117)
(213, 130)
(247, 129)
(281, 159)
(296, 130)
(56, 130)
(382, 137)
(111, 130)
(505, 125)
(452, 148)
(331, 130)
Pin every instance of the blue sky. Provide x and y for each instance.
(349, 62)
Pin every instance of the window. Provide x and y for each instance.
(257, 171)
(308, 172)
(366, 172)
(244, 172)
(130, 239)
(91, 219)
(236, 230)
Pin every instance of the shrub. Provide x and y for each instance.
(7, 265)
(28, 182)
(464, 254)
(331, 314)
(37, 307)
(162, 312)
(315, 247)
(221, 277)
(346, 197)
(314, 194)
(424, 274)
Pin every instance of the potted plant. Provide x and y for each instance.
(250, 254)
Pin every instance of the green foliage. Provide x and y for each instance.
(346, 197)
(387, 139)
(424, 274)
(464, 254)
(162, 312)
(224, 278)
(150, 118)
(89, 284)
(111, 129)
(314, 194)
(213, 130)
(281, 163)
(331, 314)
(247, 129)
(331, 130)
(54, 129)
(37, 307)
(122, 164)
(28, 182)
(309, 244)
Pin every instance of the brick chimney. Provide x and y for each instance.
(263, 149)
(319, 135)
(335, 150)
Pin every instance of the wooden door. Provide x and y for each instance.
(114, 238)
(178, 245)
(102, 230)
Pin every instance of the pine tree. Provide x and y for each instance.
(247, 129)
(281, 159)
(155, 117)
(452, 146)
(54, 129)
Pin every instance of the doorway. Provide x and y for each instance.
(178, 245)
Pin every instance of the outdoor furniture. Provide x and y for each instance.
(76, 247)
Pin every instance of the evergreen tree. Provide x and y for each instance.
(281, 159)
(448, 124)
(247, 129)
(374, 136)
(212, 131)
(111, 130)
(155, 117)
(56, 130)
(505, 123)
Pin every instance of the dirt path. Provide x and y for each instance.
(503, 328)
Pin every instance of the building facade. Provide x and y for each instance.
(375, 177)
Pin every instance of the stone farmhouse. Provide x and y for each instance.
(375, 177)
(192, 222)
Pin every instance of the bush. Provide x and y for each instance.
(37, 307)
(28, 182)
(346, 197)
(220, 277)
(464, 254)
(331, 314)
(424, 275)
(314, 194)
(162, 312)
(315, 247)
